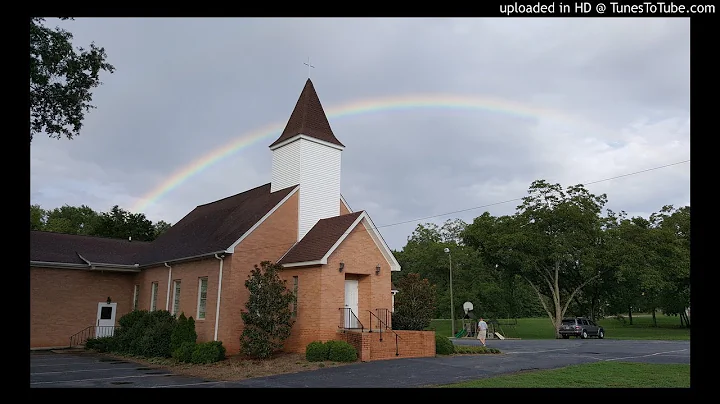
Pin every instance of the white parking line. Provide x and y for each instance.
(186, 384)
(63, 364)
(76, 371)
(101, 378)
(644, 356)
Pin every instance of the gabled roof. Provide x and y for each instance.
(214, 227)
(320, 239)
(209, 229)
(48, 247)
(327, 235)
(309, 119)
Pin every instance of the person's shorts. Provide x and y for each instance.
(482, 334)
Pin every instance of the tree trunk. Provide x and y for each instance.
(630, 314)
(654, 319)
(682, 323)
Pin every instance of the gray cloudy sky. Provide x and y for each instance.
(594, 98)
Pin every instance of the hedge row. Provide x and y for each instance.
(158, 334)
(335, 351)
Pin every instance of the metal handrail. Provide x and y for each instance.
(387, 327)
(347, 313)
(93, 331)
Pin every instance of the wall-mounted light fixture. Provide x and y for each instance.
(342, 265)
(108, 300)
(377, 269)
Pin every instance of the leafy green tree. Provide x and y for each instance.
(161, 227)
(38, 216)
(553, 242)
(68, 219)
(61, 80)
(415, 304)
(119, 223)
(267, 316)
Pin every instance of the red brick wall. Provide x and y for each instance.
(411, 344)
(189, 274)
(65, 301)
(266, 243)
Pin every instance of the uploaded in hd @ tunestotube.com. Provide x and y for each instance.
(609, 8)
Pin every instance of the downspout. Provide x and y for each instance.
(167, 298)
(217, 307)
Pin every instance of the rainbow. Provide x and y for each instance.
(354, 108)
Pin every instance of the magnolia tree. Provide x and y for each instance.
(268, 315)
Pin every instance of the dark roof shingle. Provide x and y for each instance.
(213, 227)
(308, 118)
(64, 248)
(318, 241)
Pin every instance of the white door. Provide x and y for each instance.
(351, 302)
(105, 325)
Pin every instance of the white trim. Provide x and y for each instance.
(302, 264)
(380, 242)
(309, 138)
(63, 265)
(231, 249)
(377, 238)
(178, 260)
(344, 202)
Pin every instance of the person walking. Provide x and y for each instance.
(482, 331)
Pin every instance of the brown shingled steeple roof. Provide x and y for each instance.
(308, 118)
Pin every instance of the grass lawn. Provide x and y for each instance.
(540, 328)
(598, 374)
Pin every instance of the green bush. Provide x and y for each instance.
(132, 327)
(316, 351)
(155, 342)
(208, 352)
(184, 352)
(102, 344)
(183, 332)
(443, 345)
(341, 351)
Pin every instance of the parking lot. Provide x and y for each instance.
(49, 369)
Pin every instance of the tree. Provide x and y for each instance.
(414, 304)
(268, 316)
(119, 223)
(161, 227)
(68, 219)
(38, 217)
(61, 80)
(553, 242)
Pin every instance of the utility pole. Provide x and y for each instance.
(452, 304)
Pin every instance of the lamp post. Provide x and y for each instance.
(452, 308)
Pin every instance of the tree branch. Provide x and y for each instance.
(540, 296)
(567, 302)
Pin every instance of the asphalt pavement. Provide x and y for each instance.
(49, 369)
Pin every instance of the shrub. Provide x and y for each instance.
(316, 351)
(415, 305)
(132, 328)
(267, 318)
(183, 332)
(102, 344)
(341, 351)
(208, 352)
(443, 345)
(184, 352)
(155, 341)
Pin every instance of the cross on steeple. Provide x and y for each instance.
(309, 66)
